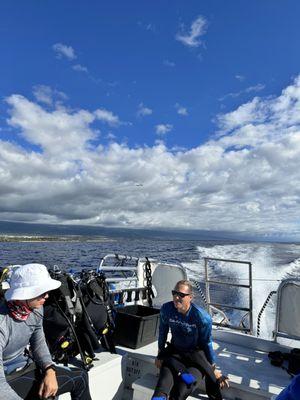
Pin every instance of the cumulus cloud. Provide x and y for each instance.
(143, 110)
(110, 136)
(181, 110)
(162, 129)
(240, 78)
(61, 50)
(47, 95)
(54, 131)
(107, 116)
(80, 68)
(192, 37)
(246, 179)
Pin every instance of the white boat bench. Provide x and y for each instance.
(243, 358)
(105, 378)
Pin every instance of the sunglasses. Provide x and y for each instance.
(180, 294)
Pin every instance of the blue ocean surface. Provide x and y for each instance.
(271, 262)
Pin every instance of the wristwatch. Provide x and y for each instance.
(51, 366)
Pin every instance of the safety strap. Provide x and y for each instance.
(148, 277)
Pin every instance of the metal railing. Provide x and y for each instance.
(212, 305)
(122, 269)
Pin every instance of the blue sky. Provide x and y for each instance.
(150, 114)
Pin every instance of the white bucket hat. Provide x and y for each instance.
(29, 281)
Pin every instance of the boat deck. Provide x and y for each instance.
(131, 374)
(250, 369)
(244, 359)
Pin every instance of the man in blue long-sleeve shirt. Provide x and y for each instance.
(190, 351)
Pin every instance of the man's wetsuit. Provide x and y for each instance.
(191, 344)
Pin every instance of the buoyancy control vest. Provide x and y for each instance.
(70, 326)
(97, 321)
(61, 311)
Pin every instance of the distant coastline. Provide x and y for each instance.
(69, 238)
(29, 232)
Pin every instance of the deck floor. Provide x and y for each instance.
(249, 371)
(250, 368)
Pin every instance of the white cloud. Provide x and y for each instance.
(169, 63)
(147, 26)
(150, 27)
(80, 68)
(107, 116)
(61, 50)
(143, 110)
(255, 88)
(246, 180)
(197, 29)
(45, 94)
(251, 89)
(110, 136)
(240, 78)
(54, 131)
(181, 110)
(162, 129)
(252, 112)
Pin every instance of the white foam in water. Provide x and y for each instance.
(267, 274)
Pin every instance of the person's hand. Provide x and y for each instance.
(49, 385)
(158, 363)
(222, 379)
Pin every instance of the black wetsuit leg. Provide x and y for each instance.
(169, 382)
(171, 385)
(198, 360)
(74, 381)
(165, 382)
(180, 390)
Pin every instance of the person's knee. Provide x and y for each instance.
(85, 378)
(196, 373)
(81, 382)
(85, 375)
(183, 389)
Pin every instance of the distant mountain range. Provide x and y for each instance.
(29, 229)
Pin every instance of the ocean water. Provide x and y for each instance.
(271, 262)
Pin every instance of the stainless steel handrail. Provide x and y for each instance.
(114, 268)
(116, 257)
(249, 287)
(128, 279)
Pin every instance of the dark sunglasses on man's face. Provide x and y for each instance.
(180, 294)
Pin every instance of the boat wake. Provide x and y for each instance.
(268, 269)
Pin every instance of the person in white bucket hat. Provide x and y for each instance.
(21, 325)
(30, 281)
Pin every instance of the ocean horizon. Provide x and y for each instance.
(271, 262)
(14, 231)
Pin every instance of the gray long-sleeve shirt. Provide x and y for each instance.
(15, 336)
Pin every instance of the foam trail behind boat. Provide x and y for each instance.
(267, 273)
